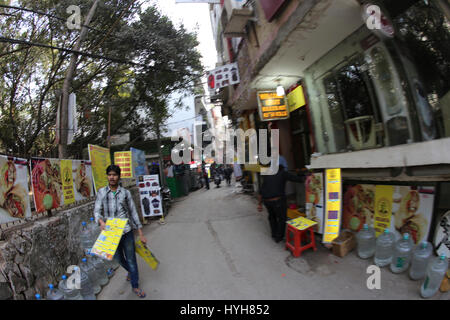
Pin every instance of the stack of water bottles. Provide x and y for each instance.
(401, 255)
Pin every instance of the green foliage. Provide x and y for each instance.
(31, 77)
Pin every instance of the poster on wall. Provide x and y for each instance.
(47, 184)
(139, 165)
(82, 179)
(358, 206)
(123, 160)
(100, 160)
(14, 197)
(67, 181)
(150, 195)
(315, 200)
(412, 211)
(333, 191)
(399, 208)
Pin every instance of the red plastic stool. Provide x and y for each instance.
(297, 237)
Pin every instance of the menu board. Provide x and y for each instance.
(333, 204)
(150, 193)
(272, 106)
(108, 240)
(124, 161)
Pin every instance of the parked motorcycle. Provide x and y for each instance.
(217, 180)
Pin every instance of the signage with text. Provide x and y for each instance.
(333, 205)
(272, 106)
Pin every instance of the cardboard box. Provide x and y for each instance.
(343, 244)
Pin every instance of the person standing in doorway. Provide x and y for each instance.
(272, 193)
(114, 201)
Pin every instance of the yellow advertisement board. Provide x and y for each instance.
(333, 186)
(100, 159)
(382, 208)
(67, 181)
(108, 240)
(125, 162)
(146, 254)
(272, 106)
(301, 223)
(296, 99)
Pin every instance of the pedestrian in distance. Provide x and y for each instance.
(114, 201)
(205, 175)
(272, 194)
(227, 172)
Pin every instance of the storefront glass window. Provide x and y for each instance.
(424, 34)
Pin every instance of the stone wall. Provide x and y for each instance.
(39, 253)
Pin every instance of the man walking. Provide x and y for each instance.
(272, 193)
(113, 201)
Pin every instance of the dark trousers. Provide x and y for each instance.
(126, 256)
(206, 182)
(277, 217)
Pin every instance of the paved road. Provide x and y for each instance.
(216, 245)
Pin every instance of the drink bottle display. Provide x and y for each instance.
(420, 259)
(435, 273)
(54, 294)
(366, 240)
(384, 249)
(402, 254)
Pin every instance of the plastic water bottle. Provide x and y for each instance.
(95, 230)
(69, 294)
(435, 273)
(89, 269)
(85, 237)
(365, 239)
(402, 254)
(419, 262)
(87, 291)
(109, 267)
(384, 249)
(38, 296)
(100, 270)
(54, 294)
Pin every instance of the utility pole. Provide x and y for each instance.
(64, 115)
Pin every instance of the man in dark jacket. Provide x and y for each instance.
(272, 193)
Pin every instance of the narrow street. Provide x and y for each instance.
(215, 245)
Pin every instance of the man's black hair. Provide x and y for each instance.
(113, 167)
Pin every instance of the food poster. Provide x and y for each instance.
(108, 240)
(67, 181)
(315, 200)
(14, 193)
(150, 193)
(412, 211)
(333, 192)
(47, 184)
(358, 206)
(123, 160)
(100, 160)
(82, 179)
(139, 164)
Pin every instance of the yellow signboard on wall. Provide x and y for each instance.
(100, 159)
(333, 186)
(124, 160)
(272, 106)
(296, 99)
(382, 208)
(67, 181)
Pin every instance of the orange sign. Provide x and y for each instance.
(272, 106)
(123, 160)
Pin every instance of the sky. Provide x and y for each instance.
(195, 17)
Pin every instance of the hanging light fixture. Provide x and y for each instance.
(280, 89)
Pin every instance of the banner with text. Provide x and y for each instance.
(100, 160)
(125, 163)
(67, 181)
(150, 192)
(333, 204)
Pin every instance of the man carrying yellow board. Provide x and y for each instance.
(113, 201)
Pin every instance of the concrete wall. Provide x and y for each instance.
(39, 254)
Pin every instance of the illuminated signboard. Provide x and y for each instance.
(272, 106)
